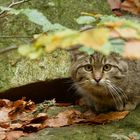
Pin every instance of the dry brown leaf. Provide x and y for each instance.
(132, 49)
(21, 106)
(14, 135)
(65, 118)
(29, 128)
(29, 106)
(29, 123)
(2, 135)
(132, 6)
(15, 126)
(4, 114)
(39, 119)
(63, 104)
(5, 103)
(4, 125)
(2, 103)
(70, 117)
(111, 116)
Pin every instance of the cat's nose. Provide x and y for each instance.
(97, 79)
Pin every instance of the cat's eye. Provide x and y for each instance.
(88, 67)
(107, 67)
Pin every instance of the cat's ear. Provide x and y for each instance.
(121, 62)
(123, 65)
(76, 54)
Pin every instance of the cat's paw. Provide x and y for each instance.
(129, 106)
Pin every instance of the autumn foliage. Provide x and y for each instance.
(132, 6)
(20, 118)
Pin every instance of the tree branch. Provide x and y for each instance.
(13, 3)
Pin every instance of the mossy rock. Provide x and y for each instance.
(117, 130)
(17, 70)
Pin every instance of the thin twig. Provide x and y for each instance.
(4, 50)
(13, 3)
(15, 37)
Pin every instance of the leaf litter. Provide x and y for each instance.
(21, 117)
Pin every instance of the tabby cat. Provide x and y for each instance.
(107, 82)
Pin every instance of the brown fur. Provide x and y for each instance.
(107, 82)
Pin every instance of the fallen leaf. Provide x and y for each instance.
(5, 103)
(29, 128)
(132, 6)
(70, 117)
(4, 114)
(65, 118)
(21, 106)
(4, 125)
(2, 135)
(63, 104)
(14, 135)
(111, 116)
(39, 119)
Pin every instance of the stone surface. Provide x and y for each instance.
(17, 70)
(117, 130)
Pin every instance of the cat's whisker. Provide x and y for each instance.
(108, 89)
(121, 92)
(115, 94)
(125, 96)
(74, 85)
(71, 87)
(116, 98)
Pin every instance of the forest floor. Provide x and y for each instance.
(65, 12)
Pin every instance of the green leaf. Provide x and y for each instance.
(117, 45)
(106, 48)
(25, 49)
(30, 51)
(35, 54)
(88, 50)
(37, 17)
(85, 20)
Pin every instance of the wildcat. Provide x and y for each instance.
(107, 82)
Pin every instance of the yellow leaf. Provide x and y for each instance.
(91, 14)
(113, 24)
(63, 39)
(127, 33)
(94, 38)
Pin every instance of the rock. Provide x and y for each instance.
(17, 70)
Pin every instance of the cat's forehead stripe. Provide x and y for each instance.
(98, 58)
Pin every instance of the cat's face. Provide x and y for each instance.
(97, 72)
